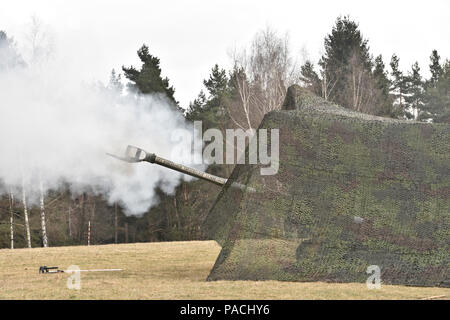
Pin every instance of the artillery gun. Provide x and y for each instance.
(134, 154)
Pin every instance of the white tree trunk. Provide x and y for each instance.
(25, 213)
(11, 219)
(89, 232)
(115, 223)
(70, 223)
(43, 224)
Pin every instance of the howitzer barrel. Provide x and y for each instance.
(135, 154)
(153, 158)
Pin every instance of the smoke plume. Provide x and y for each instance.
(57, 129)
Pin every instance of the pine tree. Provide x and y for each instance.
(437, 106)
(435, 67)
(217, 82)
(10, 58)
(346, 52)
(196, 108)
(398, 88)
(310, 78)
(148, 79)
(382, 85)
(414, 98)
(115, 82)
(211, 108)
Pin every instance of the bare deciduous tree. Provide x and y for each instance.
(361, 86)
(39, 42)
(327, 84)
(69, 222)
(261, 77)
(242, 109)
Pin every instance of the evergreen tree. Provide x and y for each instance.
(196, 108)
(148, 79)
(211, 109)
(217, 83)
(115, 82)
(398, 88)
(435, 67)
(345, 51)
(414, 99)
(10, 58)
(310, 78)
(437, 107)
(382, 85)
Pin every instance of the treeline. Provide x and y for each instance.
(347, 74)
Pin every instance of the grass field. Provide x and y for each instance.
(169, 270)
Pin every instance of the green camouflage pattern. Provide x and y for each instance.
(352, 190)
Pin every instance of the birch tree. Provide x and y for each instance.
(242, 108)
(42, 207)
(327, 84)
(69, 221)
(321, 86)
(115, 222)
(362, 91)
(91, 216)
(11, 218)
(25, 213)
(89, 233)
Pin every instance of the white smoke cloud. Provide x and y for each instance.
(55, 126)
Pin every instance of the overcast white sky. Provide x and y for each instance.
(191, 36)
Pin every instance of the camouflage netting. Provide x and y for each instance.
(352, 190)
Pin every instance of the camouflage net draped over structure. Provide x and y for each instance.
(352, 190)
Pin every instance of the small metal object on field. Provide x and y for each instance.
(45, 269)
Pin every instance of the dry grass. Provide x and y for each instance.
(170, 270)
